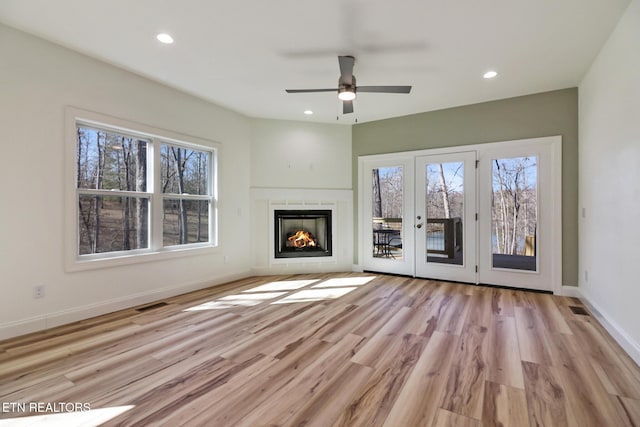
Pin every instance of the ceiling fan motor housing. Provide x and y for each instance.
(347, 87)
(342, 83)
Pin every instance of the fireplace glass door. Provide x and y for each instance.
(302, 233)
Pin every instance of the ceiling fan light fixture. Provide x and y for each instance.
(346, 94)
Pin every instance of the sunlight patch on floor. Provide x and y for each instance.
(90, 418)
(284, 285)
(258, 297)
(238, 300)
(341, 282)
(309, 295)
(321, 290)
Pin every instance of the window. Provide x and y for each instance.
(113, 202)
(186, 200)
(138, 193)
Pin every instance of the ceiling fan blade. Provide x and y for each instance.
(347, 107)
(385, 89)
(393, 48)
(346, 69)
(309, 90)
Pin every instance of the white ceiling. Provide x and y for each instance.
(242, 54)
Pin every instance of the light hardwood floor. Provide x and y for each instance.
(333, 350)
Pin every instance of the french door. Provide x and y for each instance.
(387, 208)
(445, 225)
(488, 214)
(519, 225)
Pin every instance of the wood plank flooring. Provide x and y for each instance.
(346, 349)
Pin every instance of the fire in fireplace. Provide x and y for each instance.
(301, 239)
(302, 233)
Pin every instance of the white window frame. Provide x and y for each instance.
(156, 138)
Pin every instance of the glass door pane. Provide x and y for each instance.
(387, 212)
(514, 213)
(444, 207)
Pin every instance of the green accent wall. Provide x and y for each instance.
(530, 116)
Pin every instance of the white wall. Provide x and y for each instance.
(609, 103)
(37, 80)
(292, 154)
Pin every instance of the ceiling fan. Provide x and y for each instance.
(347, 87)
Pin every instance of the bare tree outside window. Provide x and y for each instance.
(444, 190)
(444, 212)
(184, 173)
(387, 192)
(387, 211)
(514, 208)
(114, 177)
(111, 161)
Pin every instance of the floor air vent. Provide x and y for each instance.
(151, 307)
(579, 310)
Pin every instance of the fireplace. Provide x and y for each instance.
(302, 233)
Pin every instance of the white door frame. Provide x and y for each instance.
(551, 145)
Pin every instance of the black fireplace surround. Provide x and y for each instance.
(302, 233)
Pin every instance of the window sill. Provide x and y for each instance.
(80, 264)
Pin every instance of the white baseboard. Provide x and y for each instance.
(300, 269)
(63, 317)
(570, 291)
(618, 333)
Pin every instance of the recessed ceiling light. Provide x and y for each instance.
(308, 112)
(490, 74)
(164, 38)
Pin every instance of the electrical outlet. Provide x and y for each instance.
(38, 291)
(226, 259)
